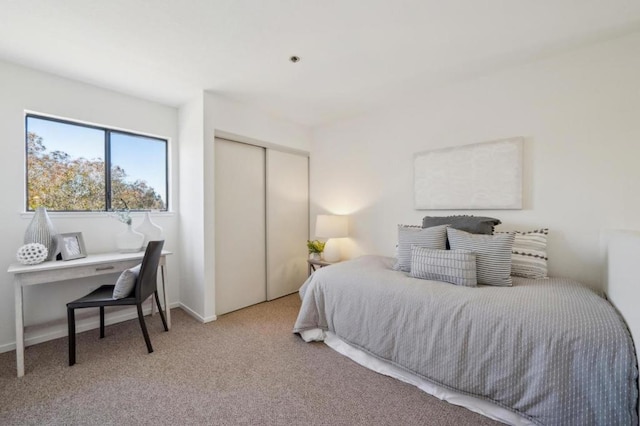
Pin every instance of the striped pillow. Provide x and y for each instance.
(452, 266)
(529, 254)
(434, 237)
(493, 254)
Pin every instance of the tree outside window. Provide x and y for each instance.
(75, 167)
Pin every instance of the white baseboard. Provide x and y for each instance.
(210, 319)
(58, 329)
(196, 315)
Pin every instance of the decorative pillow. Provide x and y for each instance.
(452, 266)
(126, 282)
(529, 254)
(472, 224)
(493, 254)
(434, 237)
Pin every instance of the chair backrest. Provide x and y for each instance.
(147, 279)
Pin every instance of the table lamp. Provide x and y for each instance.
(331, 227)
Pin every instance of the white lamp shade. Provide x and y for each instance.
(331, 226)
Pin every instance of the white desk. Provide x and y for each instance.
(52, 271)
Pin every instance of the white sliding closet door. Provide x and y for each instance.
(240, 231)
(287, 222)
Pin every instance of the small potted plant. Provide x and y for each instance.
(315, 249)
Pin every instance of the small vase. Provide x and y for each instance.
(129, 241)
(314, 256)
(150, 230)
(41, 230)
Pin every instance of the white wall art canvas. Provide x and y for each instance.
(484, 176)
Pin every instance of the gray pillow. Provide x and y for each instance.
(434, 237)
(452, 266)
(472, 224)
(493, 254)
(126, 282)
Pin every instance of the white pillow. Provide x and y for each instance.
(126, 282)
(529, 254)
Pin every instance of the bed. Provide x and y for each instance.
(548, 352)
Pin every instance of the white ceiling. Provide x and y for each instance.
(355, 53)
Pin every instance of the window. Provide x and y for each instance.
(78, 167)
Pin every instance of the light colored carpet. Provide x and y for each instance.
(245, 368)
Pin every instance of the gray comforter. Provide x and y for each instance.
(551, 350)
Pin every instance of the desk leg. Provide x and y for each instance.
(167, 311)
(19, 327)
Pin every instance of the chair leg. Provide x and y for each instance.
(144, 328)
(102, 322)
(164, 321)
(71, 322)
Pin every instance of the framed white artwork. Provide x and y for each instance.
(481, 176)
(71, 246)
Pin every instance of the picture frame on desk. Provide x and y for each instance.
(71, 246)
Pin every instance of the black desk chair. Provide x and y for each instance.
(103, 296)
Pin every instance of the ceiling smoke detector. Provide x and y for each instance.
(294, 59)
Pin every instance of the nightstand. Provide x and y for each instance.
(317, 264)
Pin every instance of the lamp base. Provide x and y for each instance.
(332, 250)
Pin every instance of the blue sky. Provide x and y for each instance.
(141, 157)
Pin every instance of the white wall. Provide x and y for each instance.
(221, 116)
(191, 123)
(24, 89)
(579, 113)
